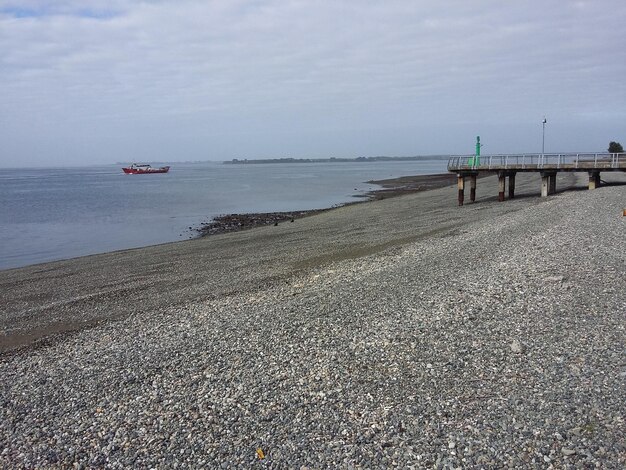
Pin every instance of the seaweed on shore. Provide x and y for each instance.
(236, 222)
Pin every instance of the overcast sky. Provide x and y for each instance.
(90, 82)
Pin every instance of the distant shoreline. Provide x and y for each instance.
(245, 161)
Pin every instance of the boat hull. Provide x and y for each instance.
(142, 171)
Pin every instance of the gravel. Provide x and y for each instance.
(400, 333)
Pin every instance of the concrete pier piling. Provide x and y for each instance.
(461, 187)
(472, 188)
(552, 189)
(512, 185)
(545, 184)
(501, 185)
(548, 183)
(461, 182)
(594, 179)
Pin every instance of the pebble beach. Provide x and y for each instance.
(404, 332)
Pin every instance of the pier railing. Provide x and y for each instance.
(537, 162)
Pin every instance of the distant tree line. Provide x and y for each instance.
(245, 161)
(615, 147)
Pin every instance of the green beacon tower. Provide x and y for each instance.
(477, 157)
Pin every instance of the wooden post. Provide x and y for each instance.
(594, 179)
(512, 186)
(461, 186)
(501, 185)
(552, 188)
(545, 184)
(472, 188)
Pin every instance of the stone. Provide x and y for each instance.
(576, 431)
(517, 347)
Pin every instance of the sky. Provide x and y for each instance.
(104, 81)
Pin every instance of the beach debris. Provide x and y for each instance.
(260, 454)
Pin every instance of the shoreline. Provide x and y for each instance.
(93, 276)
(393, 187)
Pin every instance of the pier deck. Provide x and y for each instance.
(548, 165)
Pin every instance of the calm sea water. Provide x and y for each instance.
(49, 214)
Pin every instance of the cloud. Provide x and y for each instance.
(233, 71)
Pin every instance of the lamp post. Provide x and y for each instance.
(543, 139)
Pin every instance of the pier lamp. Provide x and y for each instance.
(543, 139)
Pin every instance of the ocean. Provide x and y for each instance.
(49, 214)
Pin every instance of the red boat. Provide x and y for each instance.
(137, 169)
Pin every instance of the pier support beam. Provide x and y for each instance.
(512, 186)
(501, 185)
(594, 179)
(461, 186)
(548, 183)
(472, 188)
(552, 188)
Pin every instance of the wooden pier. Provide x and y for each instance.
(468, 167)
